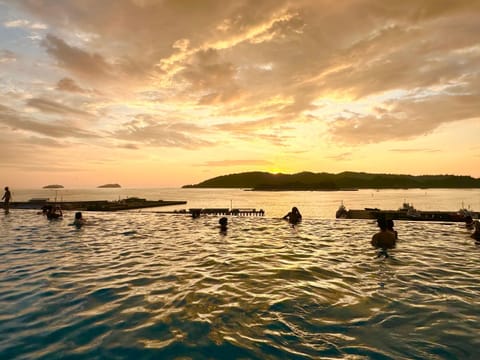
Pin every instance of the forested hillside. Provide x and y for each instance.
(324, 181)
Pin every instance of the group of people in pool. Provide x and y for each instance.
(387, 237)
(55, 213)
(52, 212)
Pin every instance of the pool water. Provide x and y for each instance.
(162, 286)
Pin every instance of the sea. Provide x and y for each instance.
(154, 284)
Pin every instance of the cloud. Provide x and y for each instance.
(208, 75)
(67, 84)
(244, 162)
(58, 129)
(7, 56)
(129, 146)
(274, 64)
(53, 107)
(45, 142)
(83, 63)
(406, 119)
(414, 150)
(22, 23)
(157, 133)
(342, 156)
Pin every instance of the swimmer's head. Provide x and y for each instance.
(390, 224)
(223, 222)
(382, 223)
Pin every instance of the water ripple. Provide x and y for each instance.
(164, 286)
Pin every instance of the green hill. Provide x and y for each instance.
(257, 180)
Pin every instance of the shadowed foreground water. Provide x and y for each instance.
(145, 285)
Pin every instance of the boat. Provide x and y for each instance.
(406, 212)
(95, 205)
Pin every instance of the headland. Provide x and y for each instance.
(309, 181)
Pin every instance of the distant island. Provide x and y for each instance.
(109, 186)
(53, 186)
(308, 181)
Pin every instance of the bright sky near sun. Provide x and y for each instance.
(153, 93)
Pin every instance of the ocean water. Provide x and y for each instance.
(152, 285)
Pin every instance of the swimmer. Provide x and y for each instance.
(468, 222)
(294, 216)
(223, 225)
(476, 234)
(383, 239)
(79, 220)
(53, 213)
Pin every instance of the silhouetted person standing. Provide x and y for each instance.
(6, 198)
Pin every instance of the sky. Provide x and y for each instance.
(163, 93)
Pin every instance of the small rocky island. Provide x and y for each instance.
(110, 186)
(53, 186)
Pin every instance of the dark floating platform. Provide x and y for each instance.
(96, 205)
(406, 212)
(196, 212)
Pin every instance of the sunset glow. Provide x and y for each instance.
(158, 93)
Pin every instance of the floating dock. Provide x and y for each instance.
(196, 212)
(406, 212)
(95, 205)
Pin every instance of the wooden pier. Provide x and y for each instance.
(196, 212)
(95, 205)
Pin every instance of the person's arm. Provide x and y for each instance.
(374, 241)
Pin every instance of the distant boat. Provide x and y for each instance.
(53, 186)
(110, 186)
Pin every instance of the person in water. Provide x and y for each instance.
(79, 220)
(468, 222)
(476, 234)
(384, 239)
(223, 224)
(53, 213)
(390, 225)
(294, 216)
(6, 198)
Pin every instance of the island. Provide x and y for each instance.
(309, 181)
(53, 186)
(109, 186)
